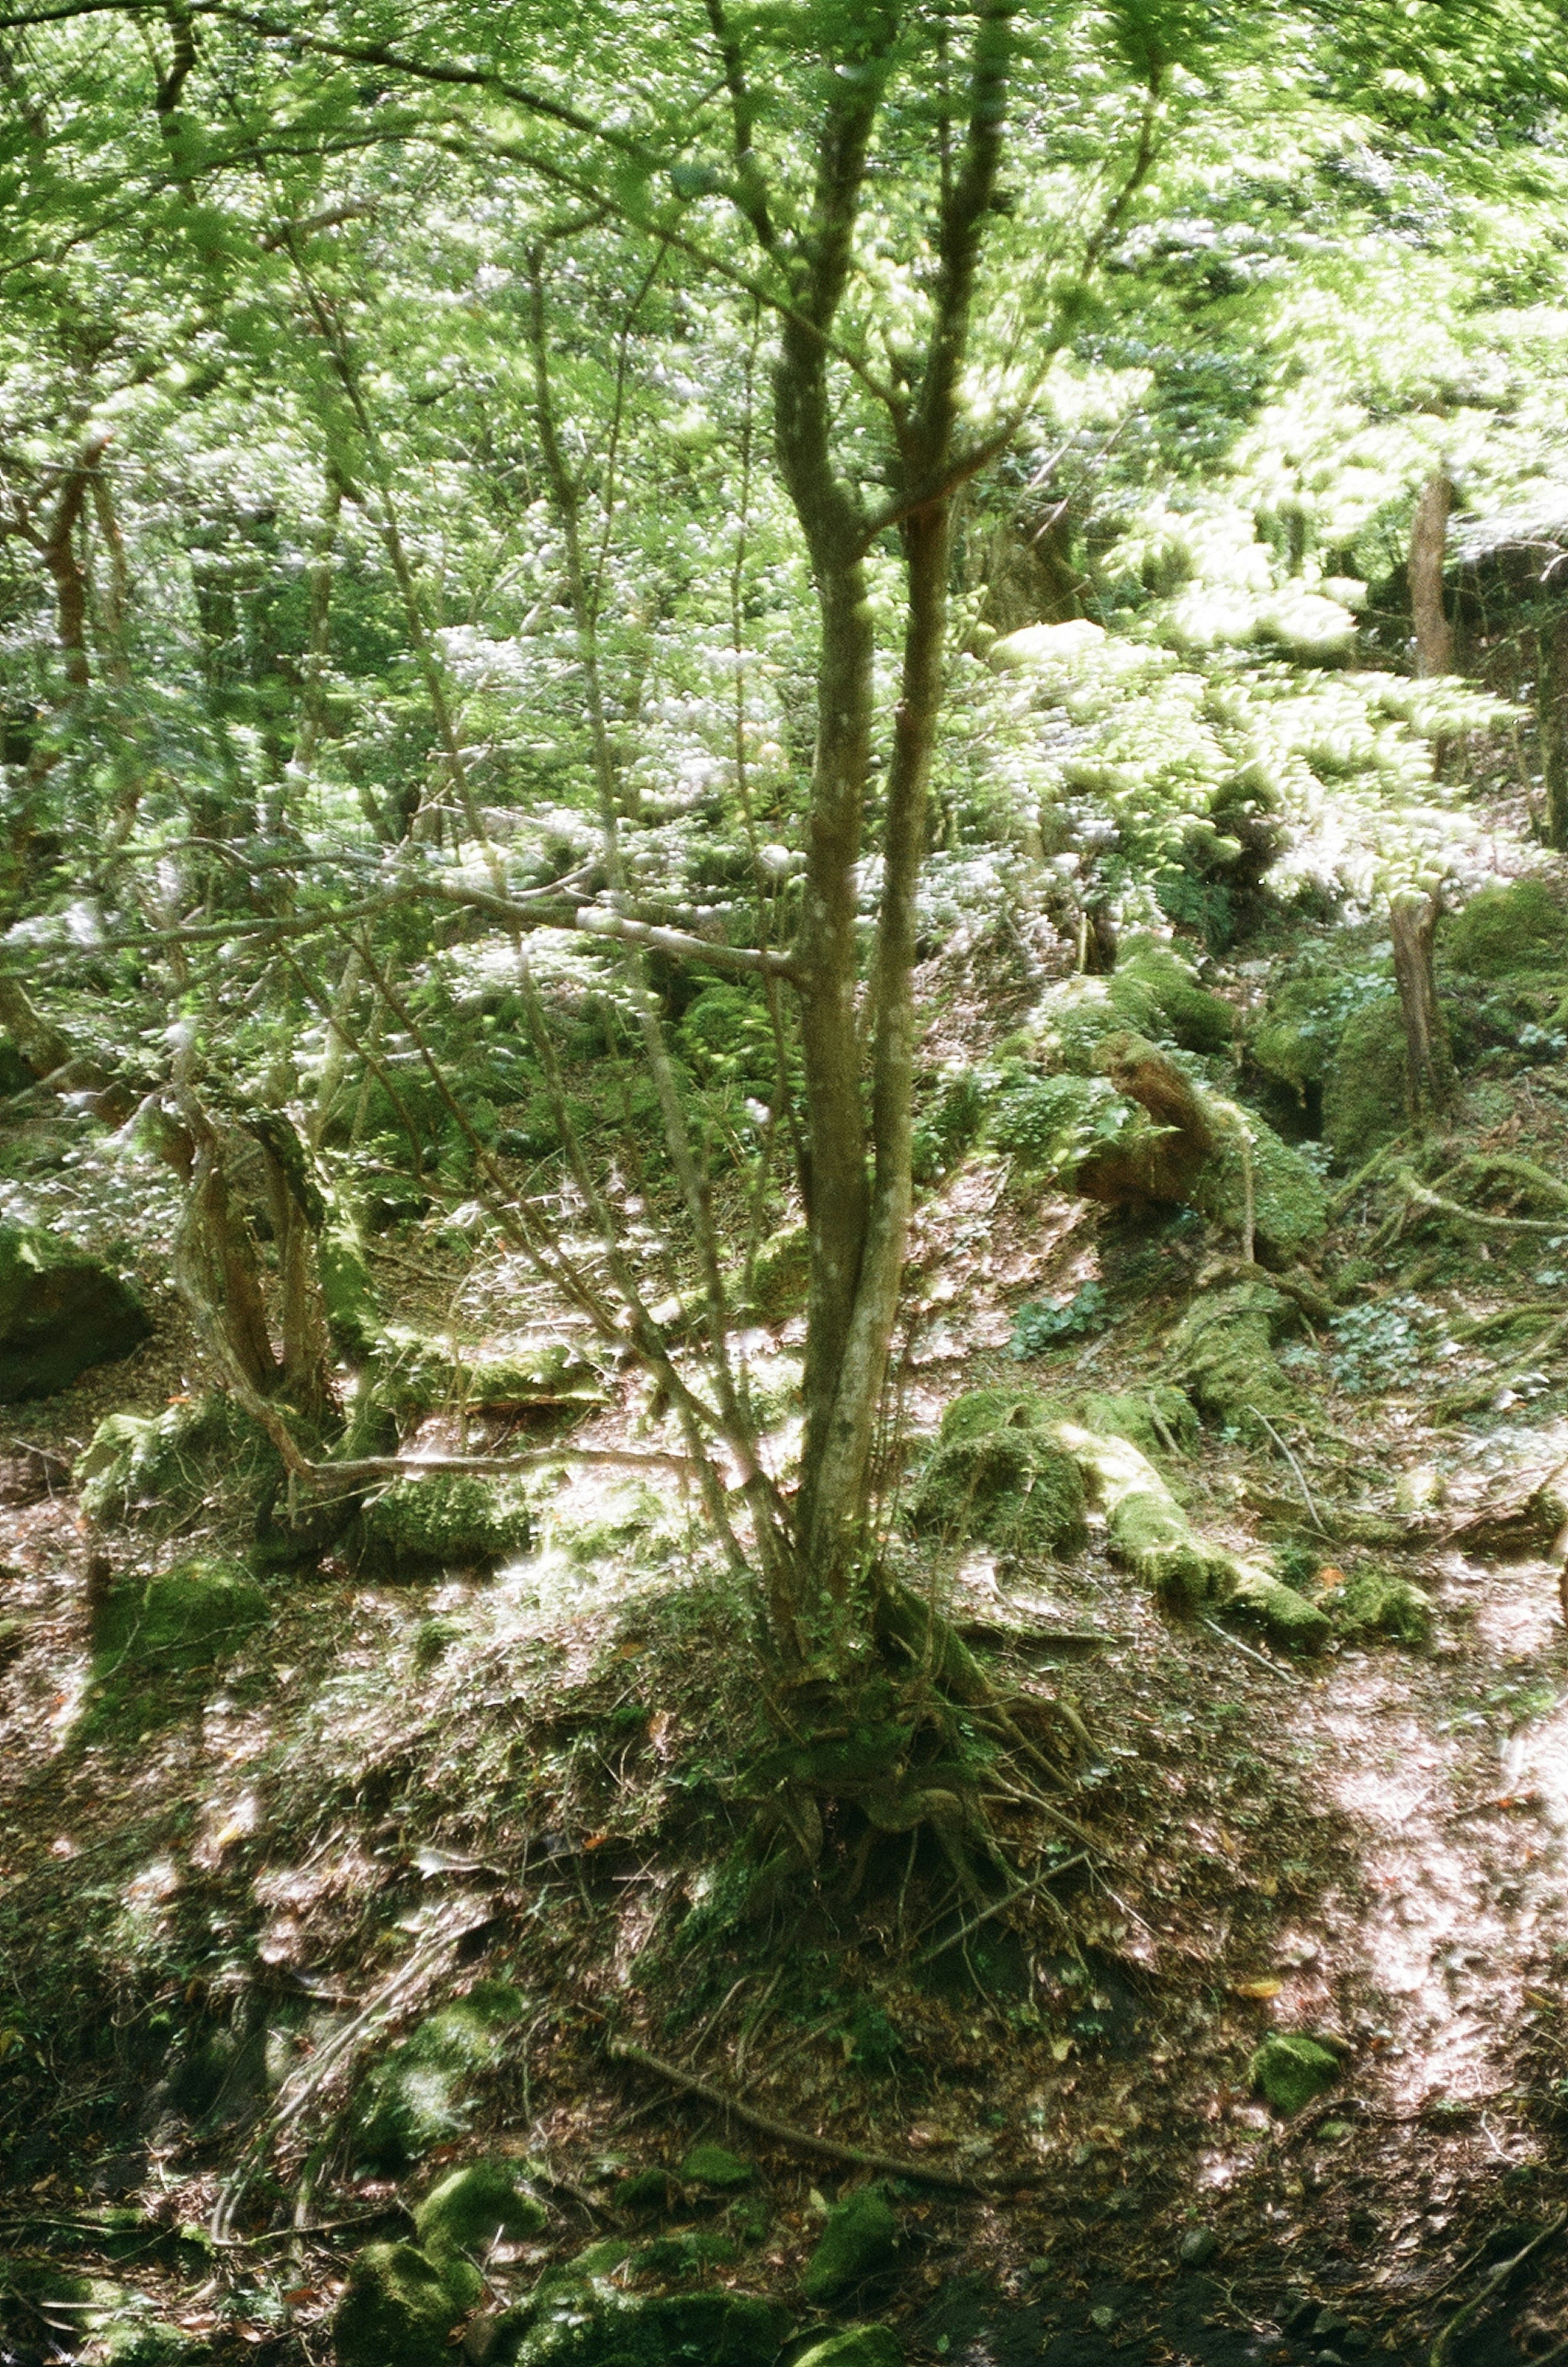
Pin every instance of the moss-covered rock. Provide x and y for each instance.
(1282, 1614)
(348, 1295)
(1155, 1420)
(858, 2241)
(1365, 1098)
(397, 2310)
(781, 1272)
(416, 2096)
(471, 2207)
(1293, 1039)
(61, 1312)
(448, 1520)
(1222, 1353)
(155, 1639)
(647, 2193)
(1378, 1602)
(1186, 1013)
(594, 2325)
(1289, 1207)
(1509, 930)
(715, 2165)
(140, 2340)
(1289, 2069)
(114, 2326)
(999, 1473)
(857, 2346)
(162, 1468)
(680, 2259)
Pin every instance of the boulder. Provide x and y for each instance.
(415, 2097)
(397, 2310)
(857, 2242)
(1377, 1602)
(999, 1473)
(595, 2325)
(471, 2207)
(1222, 1353)
(61, 1312)
(1507, 929)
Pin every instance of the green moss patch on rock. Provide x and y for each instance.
(415, 2097)
(397, 2310)
(471, 2207)
(857, 2346)
(1222, 1353)
(857, 2242)
(1507, 930)
(1289, 2069)
(448, 1520)
(61, 1313)
(1185, 1011)
(1289, 1207)
(163, 1468)
(715, 2165)
(1378, 1603)
(1157, 1420)
(155, 1639)
(1000, 1473)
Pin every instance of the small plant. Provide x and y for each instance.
(1382, 1345)
(1041, 1324)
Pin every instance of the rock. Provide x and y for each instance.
(1290, 2069)
(468, 2210)
(413, 2097)
(1222, 1353)
(14, 1637)
(857, 2241)
(712, 2165)
(448, 1520)
(397, 2310)
(1330, 2324)
(646, 2190)
(678, 2259)
(1376, 1603)
(1508, 929)
(61, 1312)
(998, 1474)
(153, 1636)
(857, 2346)
(1364, 1100)
(1197, 2248)
(1296, 2311)
(1102, 2317)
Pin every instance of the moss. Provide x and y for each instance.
(1285, 1616)
(781, 1272)
(448, 1519)
(857, 2346)
(1364, 1098)
(414, 2098)
(679, 2260)
(396, 2311)
(596, 2327)
(1290, 1207)
(1153, 1419)
(1294, 1041)
(1146, 1527)
(1289, 2069)
(1376, 1603)
(715, 2165)
(159, 1472)
(1222, 1353)
(998, 1474)
(155, 1638)
(1185, 1013)
(1508, 929)
(651, 2191)
(61, 1313)
(857, 2242)
(1076, 1016)
(469, 2209)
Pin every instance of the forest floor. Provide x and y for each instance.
(215, 1928)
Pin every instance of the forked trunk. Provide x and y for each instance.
(1428, 1060)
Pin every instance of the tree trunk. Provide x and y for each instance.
(1552, 716)
(1428, 546)
(1428, 1062)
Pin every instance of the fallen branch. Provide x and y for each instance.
(399, 1467)
(1491, 2285)
(1425, 1198)
(803, 2141)
(1284, 1675)
(1301, 1479)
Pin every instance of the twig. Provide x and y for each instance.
(1435, 1201)
(1284, 1675)
(1301, 1479)
(1011, 1898)
(858, 2157)
(393, 1467)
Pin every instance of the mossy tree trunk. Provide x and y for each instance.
(1552, 716)
(1428, 546)
(1428, 1060)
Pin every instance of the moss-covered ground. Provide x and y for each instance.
(322, 1907)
